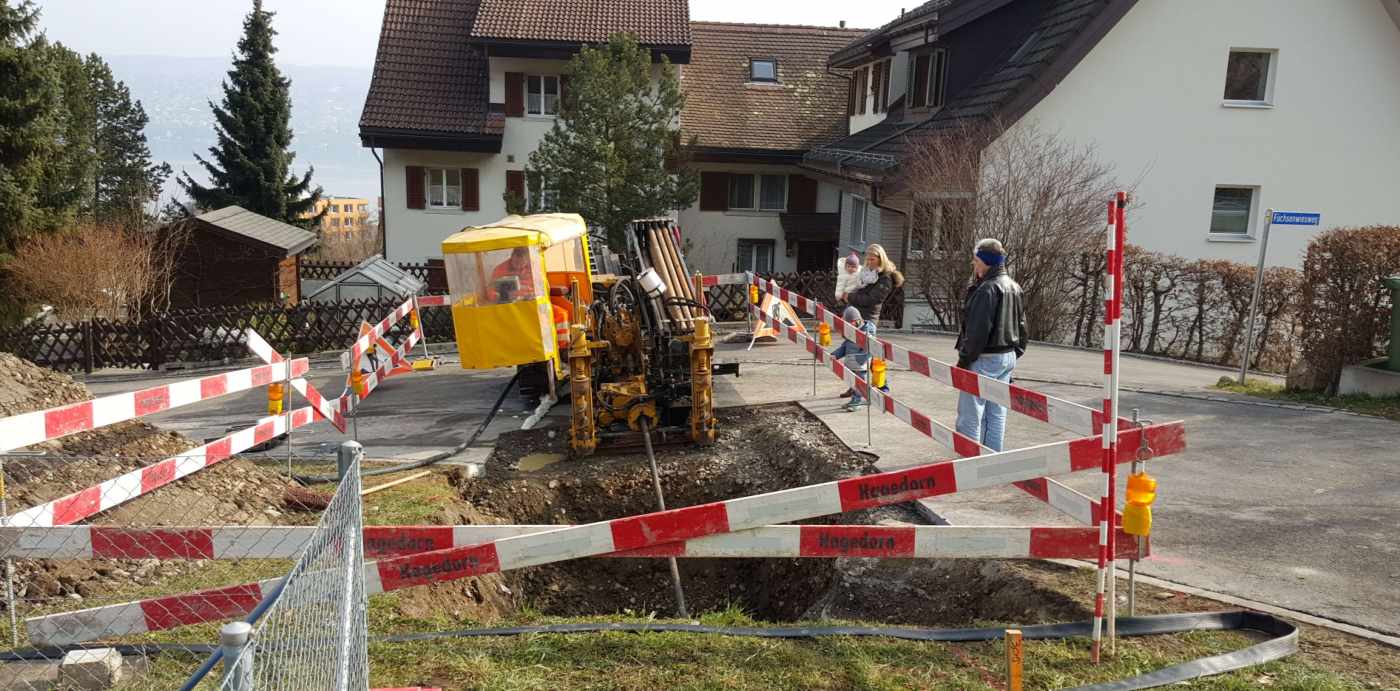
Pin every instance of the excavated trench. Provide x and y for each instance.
(759, 449)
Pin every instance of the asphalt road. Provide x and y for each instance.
(1296, 508)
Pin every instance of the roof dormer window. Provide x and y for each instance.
(763, 70)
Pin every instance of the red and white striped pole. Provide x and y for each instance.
(1112, 332)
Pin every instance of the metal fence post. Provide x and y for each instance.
(238, 656)
(346, 456)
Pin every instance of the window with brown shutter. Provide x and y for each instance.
(515, 183)
(861, 76)
(802, 194)
(471, 191)
(515, 95)
(885, 92)
(714, 191)
(413, 186)
(877, 81)
(851, 95)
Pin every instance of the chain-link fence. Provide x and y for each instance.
(312, 636)
(147, 573)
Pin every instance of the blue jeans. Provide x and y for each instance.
(980, 419)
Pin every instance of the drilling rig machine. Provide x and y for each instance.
(632, 348)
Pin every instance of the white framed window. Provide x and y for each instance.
(755, 256)
(335, 208)
(858, 219)
(1249, 77)
(763, 70)
(542, 94)
(741, 196)
(772, 192)
(929, 87)
(539, 200)
(757, 192)
(444, 187)
(1232, 211)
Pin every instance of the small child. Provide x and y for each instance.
(857, 359)
(846, 276)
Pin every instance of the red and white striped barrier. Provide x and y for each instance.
(434, 301)
(1112, 335)
(1066, 415)
(724, 280)
(361, 344)
(325, 408)
(774, 541)
(633, 533)
(1059, 496)
(98, 498)
(410, 542)
(31, 428)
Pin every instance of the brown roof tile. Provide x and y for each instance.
(427, 76)
(806, 108)
(655, 22)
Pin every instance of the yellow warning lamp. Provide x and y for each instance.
(413, 319)
(1137, 515)
(275, 392)
(753, 294)
(357, 382)
(877, 373)
(824, 334)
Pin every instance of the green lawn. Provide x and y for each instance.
(1382, 406)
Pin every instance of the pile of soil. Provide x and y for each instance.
(759, 449)
(233, 492)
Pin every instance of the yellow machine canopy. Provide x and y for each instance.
(505, 279)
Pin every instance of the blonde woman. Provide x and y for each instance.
(880, 279)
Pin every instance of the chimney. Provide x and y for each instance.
(901, 11)
(843, 23)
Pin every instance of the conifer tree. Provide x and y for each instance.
(252, 159)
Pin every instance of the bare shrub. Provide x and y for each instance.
(98, 271)
(1045, 199)
(1344, 309)
(355, 244)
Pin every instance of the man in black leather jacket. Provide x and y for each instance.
(992, 337)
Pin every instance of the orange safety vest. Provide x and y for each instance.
(561, 327)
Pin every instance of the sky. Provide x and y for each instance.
(344, 32)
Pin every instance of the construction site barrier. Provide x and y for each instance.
(55, 423)
(123, 488)
(625, 534)
(108, 410)
(1081, 507)
(1112, 335)
(773, 541)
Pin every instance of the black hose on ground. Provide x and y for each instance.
(1283, 640)
(435, 458)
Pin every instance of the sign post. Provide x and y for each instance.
(1283, 218)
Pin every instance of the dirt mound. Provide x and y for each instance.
(760, 449)
(26, 387)
(233, 492)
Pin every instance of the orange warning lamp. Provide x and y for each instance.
(357, 382)
(753, 294)
(824, 334)
(413, 319)
(1137, 515)
(877, 373)
(274, 398)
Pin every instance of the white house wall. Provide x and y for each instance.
(1149, 97)
(711, 238)
(415, 234)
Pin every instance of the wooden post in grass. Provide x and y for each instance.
(1013, 659)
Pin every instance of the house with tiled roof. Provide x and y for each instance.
(464, 90)
(757, 99)
(1215, 111)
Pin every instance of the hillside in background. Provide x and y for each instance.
(326, 104)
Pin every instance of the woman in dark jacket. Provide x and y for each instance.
(870, 298)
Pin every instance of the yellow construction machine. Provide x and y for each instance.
(633, 345)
